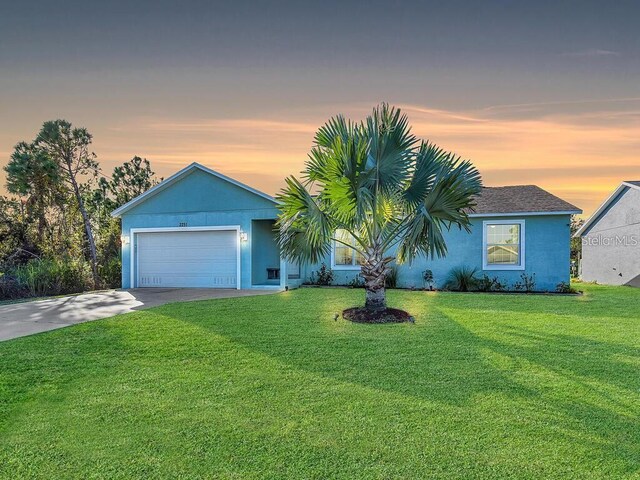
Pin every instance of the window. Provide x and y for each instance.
(503, 245)
(344, 257)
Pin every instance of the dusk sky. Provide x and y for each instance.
(531, 92)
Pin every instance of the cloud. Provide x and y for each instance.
(248, 124)
(579, 155)
(592, 52)
(578, 149)
(563, 103)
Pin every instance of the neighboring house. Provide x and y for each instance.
(199, 228)
(611, 239)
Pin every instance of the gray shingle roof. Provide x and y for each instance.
(634, 182)
(520, 198)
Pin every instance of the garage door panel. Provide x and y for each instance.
(187, 259)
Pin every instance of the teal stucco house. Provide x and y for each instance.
(199, 228)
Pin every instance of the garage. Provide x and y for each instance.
(199, 228)
(190, 258)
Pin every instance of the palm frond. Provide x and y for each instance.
(303, 230)
(391, 145)
(428, 163)
(375, 181)
(453, 192)
(336, 128)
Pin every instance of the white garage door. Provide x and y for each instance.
(187, 259)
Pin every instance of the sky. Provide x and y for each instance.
(544, 93)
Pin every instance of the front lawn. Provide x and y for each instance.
(482, 386)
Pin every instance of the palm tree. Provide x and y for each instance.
(391, 194)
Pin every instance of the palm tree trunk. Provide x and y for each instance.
(376, 297)
(374, 271)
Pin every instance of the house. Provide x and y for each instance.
(515, 230)
(199, 228)
(611, 239)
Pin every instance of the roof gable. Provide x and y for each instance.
(205, 174)
(492, 201)
(602, 209)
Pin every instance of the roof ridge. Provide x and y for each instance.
(514, 186)
(595, 216)
(177, 176)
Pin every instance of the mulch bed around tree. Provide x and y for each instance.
(366, 315)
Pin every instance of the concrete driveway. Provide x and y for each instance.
(21, 319)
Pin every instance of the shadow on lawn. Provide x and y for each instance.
(572, 356)
(592, 305)
(438, 359)
(443, 365)
(442, 360)
(586, 384)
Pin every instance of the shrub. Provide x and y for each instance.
(43, 277)
(527, 283)
(488, 284)
(10, 288)
(111, 272)
(391, 279)
(564, 287)
(356, 282)
(427, 278)
(324, 276)
(462, 279)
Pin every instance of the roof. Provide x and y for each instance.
(492, 201)
(174, 178)
(602, 208)
(518, 200)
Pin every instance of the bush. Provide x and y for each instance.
(391, 279)
(43, 277)
(111, 272)
(427, 278)
(462, 279)
(356, 282)
(10, 288)
(324, 276)
(527, 283)
(564, 287)
(488, 284)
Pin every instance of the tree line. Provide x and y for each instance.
(56, 232)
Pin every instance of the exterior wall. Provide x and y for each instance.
(294, 282)
(264, 252)
(547, 254)
(611, 246)
(198, 199)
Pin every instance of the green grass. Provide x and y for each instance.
(482, 386)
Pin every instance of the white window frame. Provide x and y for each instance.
(333, 260)
(133, 253)
(521, 256)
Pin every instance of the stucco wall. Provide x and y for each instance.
(264, 252)
(199, 199)
(547, 254)
(611, 246)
